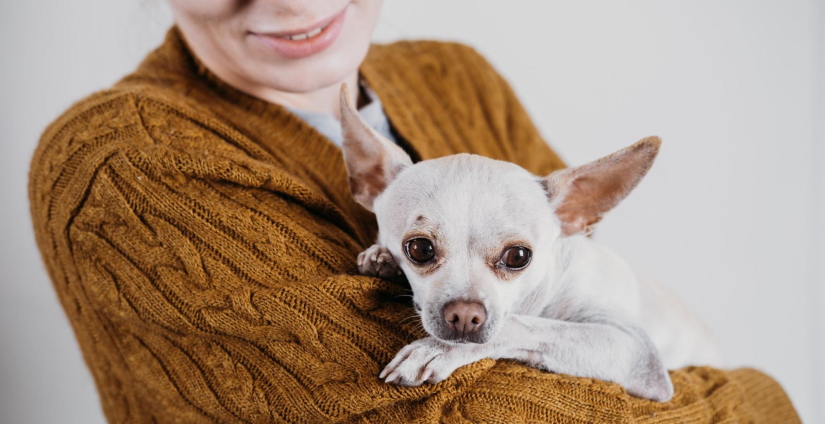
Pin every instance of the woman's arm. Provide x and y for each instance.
(203, 290)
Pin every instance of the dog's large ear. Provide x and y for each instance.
(582, 195)
(372, 160)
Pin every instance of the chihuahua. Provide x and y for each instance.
(501, 267)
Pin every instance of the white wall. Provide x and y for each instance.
(726, 217)
(818, 224)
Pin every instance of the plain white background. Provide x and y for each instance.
(730, 216)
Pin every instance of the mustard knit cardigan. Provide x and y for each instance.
(202, 243)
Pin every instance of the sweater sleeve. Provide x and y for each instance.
(206, 287)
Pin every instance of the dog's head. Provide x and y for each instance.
(473, 235)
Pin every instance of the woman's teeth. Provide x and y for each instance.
(304, 36)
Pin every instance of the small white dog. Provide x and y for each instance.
(500, 266)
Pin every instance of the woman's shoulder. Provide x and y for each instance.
(105, 119)
(129, 125)
(443, 58)
(453, 72)
(425, 51)
(99, 119)
(134, 114)
(453, 79)
(107, 115)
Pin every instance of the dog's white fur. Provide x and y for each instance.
(577, 308)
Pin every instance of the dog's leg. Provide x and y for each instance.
(378, 262)
(605, 350)
(602, 348)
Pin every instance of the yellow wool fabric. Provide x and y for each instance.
(202, 243)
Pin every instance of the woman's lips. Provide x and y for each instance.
(305, 42)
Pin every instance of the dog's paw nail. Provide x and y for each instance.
(392, 377)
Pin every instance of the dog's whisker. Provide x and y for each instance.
(419, 326)
(408, 318)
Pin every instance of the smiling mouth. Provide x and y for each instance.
(304, 42)
(302, 36)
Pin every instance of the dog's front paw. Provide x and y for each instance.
(427, 360)
(378, 262)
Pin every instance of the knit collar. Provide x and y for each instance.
(270, 132)
(181, 68)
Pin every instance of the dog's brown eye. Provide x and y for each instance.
(420, 250)
(516, 257)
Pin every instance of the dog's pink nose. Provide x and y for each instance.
(465, 317)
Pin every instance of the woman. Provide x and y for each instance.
(196, 222)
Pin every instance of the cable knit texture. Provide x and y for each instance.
(202, 243)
